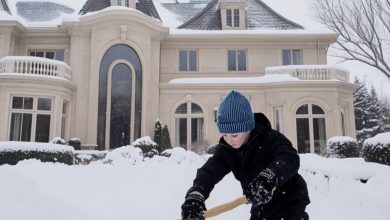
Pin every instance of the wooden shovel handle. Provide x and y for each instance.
(225, 207)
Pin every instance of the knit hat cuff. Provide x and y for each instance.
(236, 127)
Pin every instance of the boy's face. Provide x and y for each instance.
(236, 140)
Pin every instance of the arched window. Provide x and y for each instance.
(311, 129)
(189, 126)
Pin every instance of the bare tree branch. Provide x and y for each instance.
(363, 27)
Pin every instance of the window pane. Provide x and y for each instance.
(17, 102)
(343, 124)
(241, 60)
(59, 55)
(50, 55)
(42, 128)
(181, 132)
(286, 57)
(44, 104)
(232, 66)
(16, 126)
(303, 110)
(196, 131)
(229, 17)
(319, 135)
(63, 127)
(183, 60)
(303, 135)
(236, 18)
(193, 60)
(195, 108)
(317, 109)
(182, 109)
(278, 118)
(28, 103)
(297, 57)
(64, 108)
(39, 54)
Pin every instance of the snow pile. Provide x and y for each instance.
(124, 155)
(144, 141)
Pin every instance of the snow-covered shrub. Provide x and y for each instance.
(75, 143)
(124, 155)
(12, 152)
(377, 149)
(148, 147)
(58, 140)
(342, 147)
(85, 157)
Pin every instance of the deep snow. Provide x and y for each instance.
(131, 187)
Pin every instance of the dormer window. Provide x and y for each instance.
(124, 3)
(233, 17)
(233, 13)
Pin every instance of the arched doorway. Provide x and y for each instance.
(120, 97)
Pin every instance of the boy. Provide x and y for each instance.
(262, 159)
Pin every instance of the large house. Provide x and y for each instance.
(105, 70)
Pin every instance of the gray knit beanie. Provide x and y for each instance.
(235, 114)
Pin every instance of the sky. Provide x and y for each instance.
(132, 187)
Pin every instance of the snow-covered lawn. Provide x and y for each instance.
(133, 189)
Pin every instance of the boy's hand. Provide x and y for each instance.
(193, 207)
(260, 190)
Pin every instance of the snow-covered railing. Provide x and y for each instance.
(35, 66)
(311, 72)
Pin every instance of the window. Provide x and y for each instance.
(64, 119)
(188, 60)
(232, 17)
(30, 119)
(189, 126)
(53, 54)
(236, 60)
(311, 129)
(292, 57)
(278, 118)
(123, 3)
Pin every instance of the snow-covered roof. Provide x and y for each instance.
(184, 14)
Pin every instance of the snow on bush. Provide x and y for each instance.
(377, 149)
(342, 147)
(11, 152)
(148, 147)
(124, 155)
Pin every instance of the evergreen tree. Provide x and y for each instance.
(385, 120)
(360, 105)
(166, 140)
(374, 114)
(157, 133)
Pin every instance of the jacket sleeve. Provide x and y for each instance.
(212, 172)
(285, 159)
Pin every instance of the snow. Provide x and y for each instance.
(139, 188)
(379, 138)
(26, 146)
(341, 139)
(260, 79)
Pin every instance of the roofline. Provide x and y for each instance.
(280, 16)
(199, 14)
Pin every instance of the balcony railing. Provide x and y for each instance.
(311, 72)
(35, 66)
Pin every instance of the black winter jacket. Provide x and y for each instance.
(265, 148)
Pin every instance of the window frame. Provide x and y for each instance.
(187, 67)
(237, 60)
(189, 116)
(293, 60)
(57, 52)
(35, 114)
(233, 17)
(310, 116)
